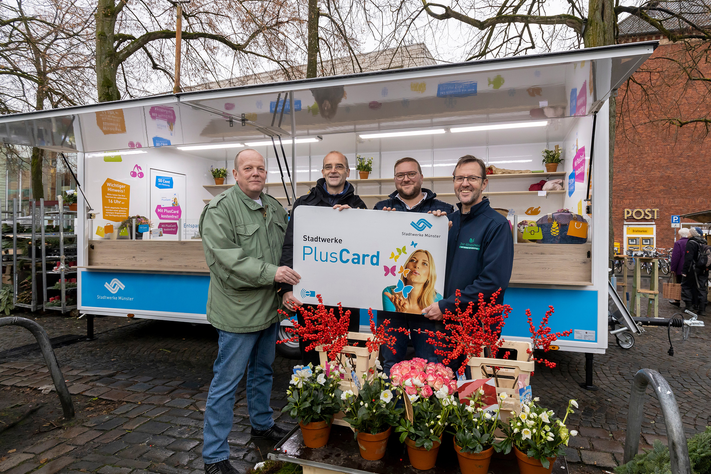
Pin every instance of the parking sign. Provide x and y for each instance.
(675, 221)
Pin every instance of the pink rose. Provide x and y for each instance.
(438, 383)
(411, 390)
(427, 391)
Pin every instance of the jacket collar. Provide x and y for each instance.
(248, 201)
(476, 209)
(429, 195)
(321, 189)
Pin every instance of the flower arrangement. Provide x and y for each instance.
(364, 164)
(429, 390)
(552, 156)
(128, 223)
(57, 301)
(69, 197)
(314, 393)
(68, 283)
(218, 172)
(472, 426)
(374, 409)
(536, 432)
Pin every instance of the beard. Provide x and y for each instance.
(416, 191)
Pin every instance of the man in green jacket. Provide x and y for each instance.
(242, 233)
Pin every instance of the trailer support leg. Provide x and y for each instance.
(588, 384)
(90, 327)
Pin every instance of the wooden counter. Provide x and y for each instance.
(147, 255)
(552, 264)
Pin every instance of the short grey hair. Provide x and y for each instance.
(242, 151)
(335, 152)
(684, 233)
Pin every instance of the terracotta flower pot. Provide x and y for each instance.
(316, 433)
(528, 465)
(551, 167)
(372, 446)
(474, 463)
(420, 458)
(219, 181)
(364, 174)
(73, 207)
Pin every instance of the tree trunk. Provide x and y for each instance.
(36, 173)
(601, 31)
(106, 61)
(312, 44)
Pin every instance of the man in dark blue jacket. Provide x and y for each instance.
(480, 245)
(409, 195)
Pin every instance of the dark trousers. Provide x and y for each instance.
(312, 357)
(411, 322)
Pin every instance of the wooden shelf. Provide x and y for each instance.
(439, 195)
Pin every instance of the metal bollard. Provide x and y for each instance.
(678, 451)
(42, 338)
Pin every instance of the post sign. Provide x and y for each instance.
(393, 261)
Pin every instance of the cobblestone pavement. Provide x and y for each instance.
(141, 386)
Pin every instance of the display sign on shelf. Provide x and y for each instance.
(393, 261)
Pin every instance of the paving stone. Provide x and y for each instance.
(166, 469)
(650, 438)
(200, 396)
(136, 397)
(115, 395)
(200, 405)
(198, 415)
(142, 379)
(94, 373)
(103, 459)
(165, 419)
(122, 377)
(121, 384)
(572, 455)
(160, 440)
(238, 439)
(135, 452)
(160, 381)
(139, 387)
(174, 383)
(183, 393)
(74, 431)
(181, 432)
(114, 470)
(85, 466)
(589, 432)
(136, 437)
(607, 446)
(56, 451)
(198, 464)
(180, 403)
(579, 442)
(13, 460)
(133, 463)
(177, 412)
(139, 410)
(598, 459)
(183, 445)
(96, 391)
(112, 447)
(157, 454)
(110, 436)
(12, 381)
(180, 459)
(85, 437)
(157, 411)
(125, 408)
(111, 424)
(43, 446)
(188, 422)
(105, 382)
(161, 390)
(135, 423)
(158, 399)
(55, 466)
(23, 468)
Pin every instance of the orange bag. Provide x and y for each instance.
(578, 229)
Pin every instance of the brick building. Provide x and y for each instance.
(658, 166)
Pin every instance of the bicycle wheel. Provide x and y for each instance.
(630, 263)
(647, 268)
(664, 267)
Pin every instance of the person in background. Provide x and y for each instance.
(677, 259)
(242, 232)
(694, 285)
(333, 190)
(409, 195)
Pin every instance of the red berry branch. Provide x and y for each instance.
(543, 337)
(381, 334)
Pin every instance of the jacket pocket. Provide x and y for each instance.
(248, 239)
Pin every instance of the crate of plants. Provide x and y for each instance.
(69, 283)
(56, 301)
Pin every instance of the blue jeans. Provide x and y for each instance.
(412, 322)
(238, 351)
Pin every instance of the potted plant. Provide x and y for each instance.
(70, 199)
(473, 428)
(219, 174)
(127, 224)
(551, 158)
(364, 166)
(372, 413)
(313, 398)
(428, 390)
(537, 437)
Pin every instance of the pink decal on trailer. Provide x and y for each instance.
(579, 165)
(160, 112)
(170, 213)
(169, 227)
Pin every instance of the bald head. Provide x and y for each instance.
(246, 152)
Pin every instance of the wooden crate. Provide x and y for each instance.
(509, 372)
(360, 359)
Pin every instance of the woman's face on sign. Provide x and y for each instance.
(419, 266)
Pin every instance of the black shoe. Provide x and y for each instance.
(275, 433)
(675, 303)
(222, 467)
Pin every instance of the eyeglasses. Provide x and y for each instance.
(471, 179)
(411, 175)
(338, 167)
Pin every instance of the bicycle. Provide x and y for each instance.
(664, 261)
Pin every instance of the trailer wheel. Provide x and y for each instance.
(289, 350)
(625, 340)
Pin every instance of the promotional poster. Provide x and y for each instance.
(391, 261)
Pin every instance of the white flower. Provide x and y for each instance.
(533, 415)
(487, 416)
(347, 394)
(515, 430)
(544, 417)
(529, 423)
(413, 398)
(573, 433)
(526, 434)
(378, 365)
(481, 391)
(386, 396)
(536, 399)
(523, 415)
(442, 393)
(550, 438)
(503, 396)
(418, 382)
(525, 408)
(470, 408)
(321, 379)
(574, 403)
(294, 379)
(408, 383)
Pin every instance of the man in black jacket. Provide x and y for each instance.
(333, 190)
(694, 283)
(409, 195)
(480, 246)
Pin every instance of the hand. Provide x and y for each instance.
(437, 213)
(388, 209)
(432, 312)
(287, 275)
(398, 300)
(340, 207)
(289, 301)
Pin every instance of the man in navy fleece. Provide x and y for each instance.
(480, 245)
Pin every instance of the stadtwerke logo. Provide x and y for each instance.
(114, 286)
(421, 225)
